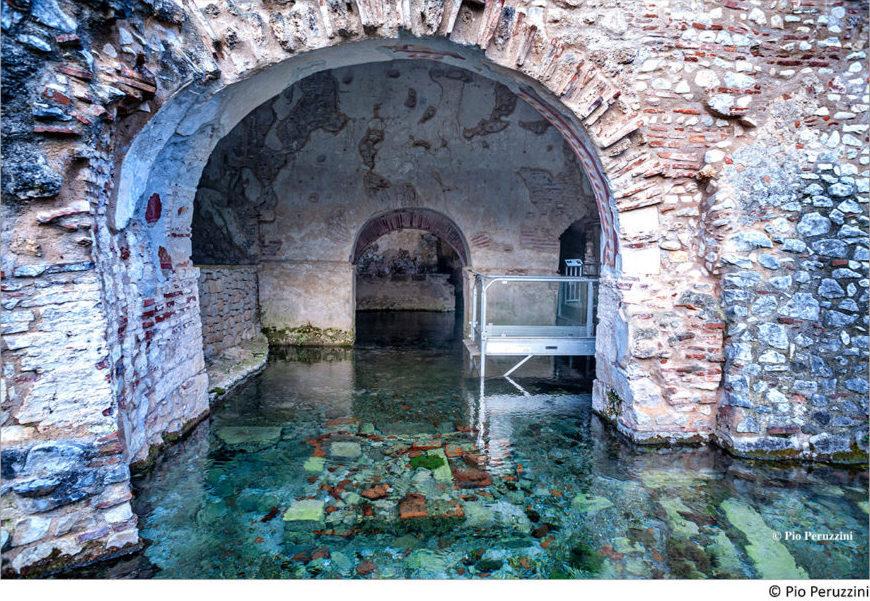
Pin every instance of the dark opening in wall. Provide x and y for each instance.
(408, 291)
(409, 270)
(579, 248)
(580, 242)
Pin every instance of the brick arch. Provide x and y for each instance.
(568, 91)
(595, 109)
(598, 117)
(412, 219)
(597, 113)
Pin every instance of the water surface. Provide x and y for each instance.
(385, 462)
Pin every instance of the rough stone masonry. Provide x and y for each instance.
(724, 143)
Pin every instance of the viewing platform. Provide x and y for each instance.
(531, 315)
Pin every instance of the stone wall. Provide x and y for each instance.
(795, 286)
(423, 292)
(228, 306)
(288, 311)
(407, 270)
(65, 476)
(110, 114)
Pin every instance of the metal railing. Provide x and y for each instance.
(571, 330)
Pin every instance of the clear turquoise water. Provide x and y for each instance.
(543, 490)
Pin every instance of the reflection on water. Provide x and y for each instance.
(372, 462)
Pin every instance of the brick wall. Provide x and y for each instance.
(228, 306)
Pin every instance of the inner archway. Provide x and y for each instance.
(410, 276)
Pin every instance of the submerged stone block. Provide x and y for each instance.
(771, 558)
(255, 436)
(314, 464)
(345, 450)
(306, 510)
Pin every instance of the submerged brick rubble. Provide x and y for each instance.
(724, 144)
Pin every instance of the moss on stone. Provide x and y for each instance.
(686, 559)
(143, 466)
(430, 462)
(674, 508)
(441, 473)
(780, 454)
(613, 408)
(855, 455)
(726, 559)
(309, 335)
(693, 439)
(583, 557)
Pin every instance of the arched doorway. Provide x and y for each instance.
(410, 276)
(568, 99)
(412, 219)
(301, 192)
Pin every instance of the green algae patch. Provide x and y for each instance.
(429, 462)
(771, 558)
(613, 405)
(435, 461)
(309, 335)
(314, 465)
(239, 436)
(584, 558)
(622, 544)
(726, 559)
(674, 508)
(441, 473)
(585, 504)
(658, 479)
(306, 510)
(864, 505)
(687, 559)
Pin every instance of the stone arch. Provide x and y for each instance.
(415, 219)
(570, 94)
(595, 114)
(187, 75)
(566, 88)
